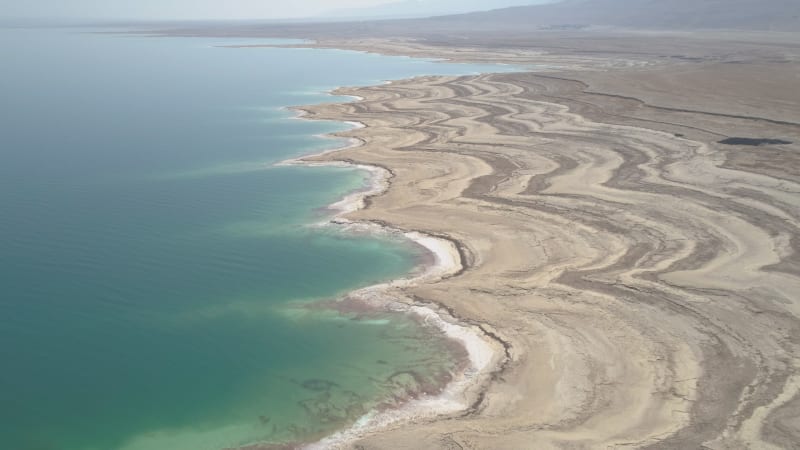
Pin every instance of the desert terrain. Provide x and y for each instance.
(643, 276)
(628, 219)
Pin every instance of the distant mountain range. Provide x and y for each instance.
(776, 15)
(426, 8)
(644, 14)
(518, 22)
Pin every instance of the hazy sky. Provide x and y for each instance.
(184, 9)
(189, 9)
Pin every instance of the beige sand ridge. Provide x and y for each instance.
(644, 276)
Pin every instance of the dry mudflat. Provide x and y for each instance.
(643, 277)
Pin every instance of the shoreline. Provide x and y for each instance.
(634, 276)
(643, 271)
(480, 347)
(583, 218)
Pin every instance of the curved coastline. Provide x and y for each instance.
(485, 351)
(644, 271)
(596, 252)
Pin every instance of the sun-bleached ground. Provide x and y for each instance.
(644, 278)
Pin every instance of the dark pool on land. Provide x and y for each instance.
(755, 142)
(155, 267)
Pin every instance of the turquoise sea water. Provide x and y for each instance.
(157, 270)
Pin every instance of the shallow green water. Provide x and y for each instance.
(156, 269)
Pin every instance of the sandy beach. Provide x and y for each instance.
(642, 276)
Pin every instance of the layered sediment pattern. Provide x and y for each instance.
(643, 278)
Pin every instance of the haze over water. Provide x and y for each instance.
(156, 269)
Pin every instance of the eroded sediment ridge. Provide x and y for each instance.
(646, 283)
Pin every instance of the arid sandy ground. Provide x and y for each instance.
(645, 278)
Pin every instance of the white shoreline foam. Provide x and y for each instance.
(480, 352)
(447, 261)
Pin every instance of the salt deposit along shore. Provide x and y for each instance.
(639, 264)
(483, 351)
(644, 276)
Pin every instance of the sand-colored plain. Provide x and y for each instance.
(644, 278)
